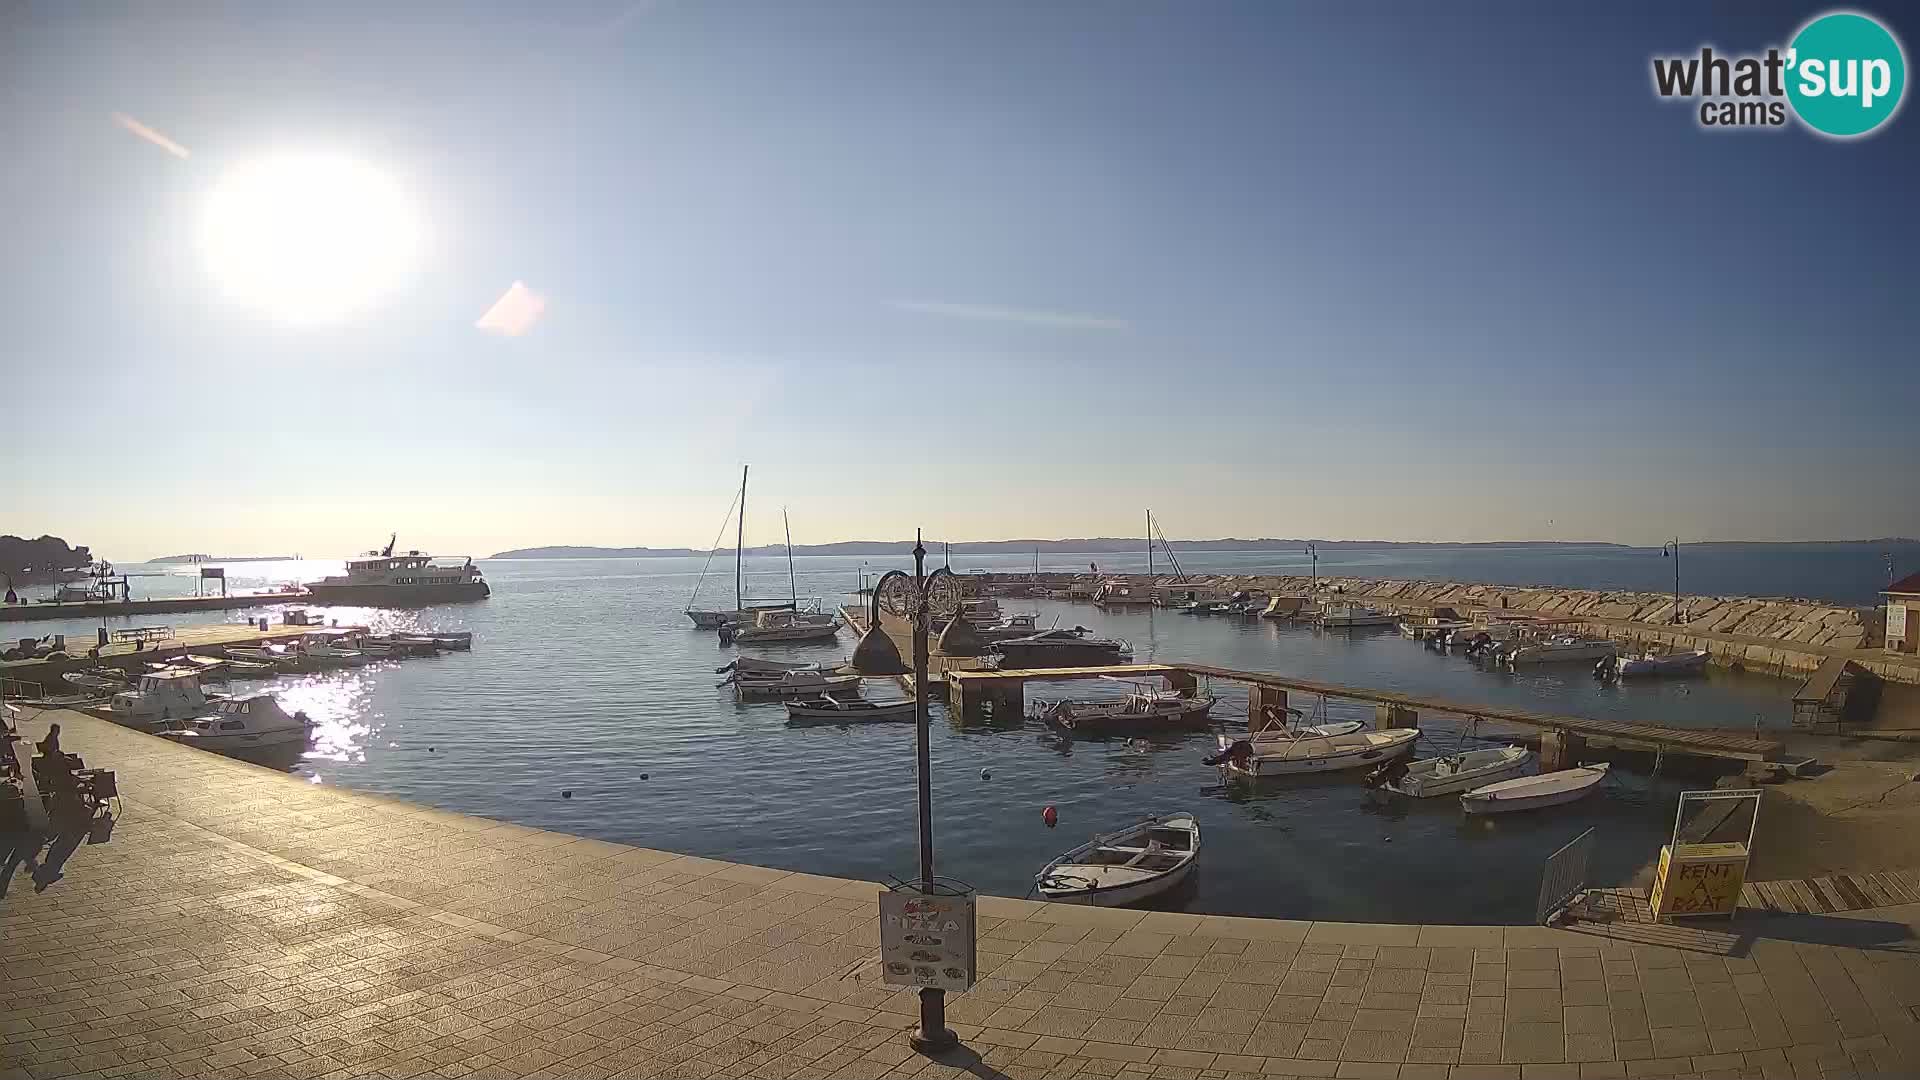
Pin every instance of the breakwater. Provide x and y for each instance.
(1775, 635)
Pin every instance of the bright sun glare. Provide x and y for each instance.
(309, 238)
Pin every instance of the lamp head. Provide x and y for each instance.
(876, 654)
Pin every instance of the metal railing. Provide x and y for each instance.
(1563, 877)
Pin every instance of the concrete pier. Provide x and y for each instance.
(243, 922)
(123, 609)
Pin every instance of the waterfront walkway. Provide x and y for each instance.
(242, 922)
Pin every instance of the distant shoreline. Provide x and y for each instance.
(1117, 545)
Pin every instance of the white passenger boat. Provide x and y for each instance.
(1534, 792)
(1152, 708)
(1313, 753)
(1353, 615)
(827, 709)
(1676, 663)
(1124, 867)
(383, 579)
(254, 723)
(1454, 773)
(1560, 649)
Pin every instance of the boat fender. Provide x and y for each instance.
(1050, 816)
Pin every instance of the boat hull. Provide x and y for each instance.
(1022, 657)
(1474, 803)
(1122, 895)
(1338, 760)
(1685, 664)
(322, 593)
(788, 633)
(1533, 654)
(1433, 786)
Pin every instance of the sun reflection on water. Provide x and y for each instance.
(337, 702)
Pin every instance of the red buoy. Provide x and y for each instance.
(1050, 816)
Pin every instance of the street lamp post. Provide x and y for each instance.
(1671, 550)
(914, 596)
(1314, 551)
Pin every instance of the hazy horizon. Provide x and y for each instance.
(511, 276)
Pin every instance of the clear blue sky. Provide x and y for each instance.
(997, 269)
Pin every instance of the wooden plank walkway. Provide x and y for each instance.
(1619, 733)
(1826, 895)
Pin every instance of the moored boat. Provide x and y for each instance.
(1559, 649)
(1126, 866)
(1304, 753)
(793, 684)
(789, 626)
(158, 697)
(1154, 708)
(828, 709)
(1674, 663)
(1534, 792)
(1430, 777)
(240, 726)
(1350, 616)
(1062, 648)
(383, 579)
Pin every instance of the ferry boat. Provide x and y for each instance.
(413, 579)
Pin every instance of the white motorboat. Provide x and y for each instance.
(1152, 708)
(1560, 649)
(1313, 753)
(1124, 867)
(1338, 727)
(1348, 616)
(1060, 647)
(1534, 792)
(158, 697)
(1013, 626)
(239, 725)
(322, 651)
(1651, 663)
(751, 667)
(794, 684)
(789, 626)
(827, 709)
(1454, 773)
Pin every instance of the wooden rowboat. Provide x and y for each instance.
(1124, 867)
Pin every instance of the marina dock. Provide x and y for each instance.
(126, 609)
(34, 678)
(1564, 736)
(242, 921)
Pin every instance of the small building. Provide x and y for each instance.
(1903, 614)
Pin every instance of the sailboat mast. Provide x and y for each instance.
(739, 544)
(793, 584)
(1149, 547)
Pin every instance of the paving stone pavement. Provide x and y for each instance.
(243, 922)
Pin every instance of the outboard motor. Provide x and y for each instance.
(726, 634)
(1386, 773)
(1239, 751)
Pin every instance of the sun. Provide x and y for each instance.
(309, 238)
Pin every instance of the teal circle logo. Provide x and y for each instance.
(1846, 74)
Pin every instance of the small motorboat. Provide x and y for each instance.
(158, 697)
(1651, 663)
(1150, 708)
(788, 626)
(457, 640)
(1308, 731)
(1454, 773)
(1124, 867)
(1559, 649)
(1303, 753)
(100, 682)
(240, 725)
(793, 684)
(1534, 792)
(749, 667)
(827, 709)
(1062, 648)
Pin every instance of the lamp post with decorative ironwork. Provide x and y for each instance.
(919, 596)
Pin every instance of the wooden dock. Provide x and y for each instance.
(1824, 895)
(37, 678)
(975, 688)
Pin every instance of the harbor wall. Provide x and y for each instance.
(1777, 635)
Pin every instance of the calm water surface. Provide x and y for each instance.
(585, 677)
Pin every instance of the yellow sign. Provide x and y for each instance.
(1699, 879)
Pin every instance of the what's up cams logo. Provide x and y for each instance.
(1843, 76)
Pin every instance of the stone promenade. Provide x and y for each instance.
(243, 922)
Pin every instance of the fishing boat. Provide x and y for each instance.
(1141, 708)
(1312, 753)
(1454, 773)
(792, 684)
(1534, 792)
(1060, 647)
(1124, 867)
(1559, 649)
(789, 626)
(239, 725)
(1349, 616)
(383, 579)
(1651, 663)
(827, 709)
(158, 697)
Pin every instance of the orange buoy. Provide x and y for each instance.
(1050, 816)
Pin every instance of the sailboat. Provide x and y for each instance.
(789, 623)
(744, 612)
